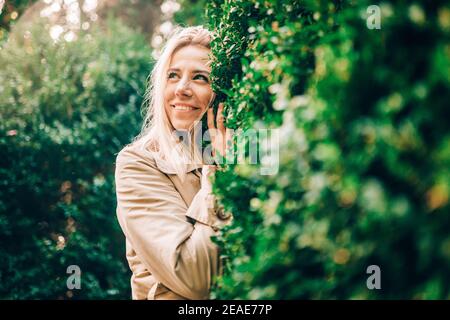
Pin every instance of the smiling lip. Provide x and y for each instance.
(183, 107)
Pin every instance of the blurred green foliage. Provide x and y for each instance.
(10, 13)
(364, 176)
(66, 109)
(191, 13)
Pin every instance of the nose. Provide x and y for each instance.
(183, 88)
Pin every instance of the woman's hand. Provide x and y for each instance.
(220, 136)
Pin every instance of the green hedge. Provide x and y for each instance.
(364, 148)
(66, 109)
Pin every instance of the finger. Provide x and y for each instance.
(210, 119)
(220, 119)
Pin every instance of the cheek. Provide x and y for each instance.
(168, 95)
(169, 92)
(206, 95)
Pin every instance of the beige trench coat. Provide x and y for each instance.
(168, 226)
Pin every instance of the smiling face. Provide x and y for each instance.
(188, 90)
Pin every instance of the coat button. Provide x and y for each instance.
(220, 212)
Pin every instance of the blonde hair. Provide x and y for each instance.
(157, 131)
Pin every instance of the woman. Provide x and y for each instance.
(165, 206)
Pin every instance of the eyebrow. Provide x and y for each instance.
(194, 71)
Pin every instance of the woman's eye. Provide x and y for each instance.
(200, 76)
(171, 75)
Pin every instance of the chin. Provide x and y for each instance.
(182, 125)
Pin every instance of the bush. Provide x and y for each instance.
(364, 148)
(66, 109)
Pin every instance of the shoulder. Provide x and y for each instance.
(135, 155)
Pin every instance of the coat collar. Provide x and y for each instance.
(165, 167)
(162, 164)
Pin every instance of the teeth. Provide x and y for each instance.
(183, 108)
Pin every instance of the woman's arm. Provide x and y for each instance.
(153, 216)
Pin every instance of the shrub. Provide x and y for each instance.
(364, 148)
(66, 109)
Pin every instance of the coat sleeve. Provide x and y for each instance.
(154, 218)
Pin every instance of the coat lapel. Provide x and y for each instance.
(191, 184)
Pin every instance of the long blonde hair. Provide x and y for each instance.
(156, 131)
